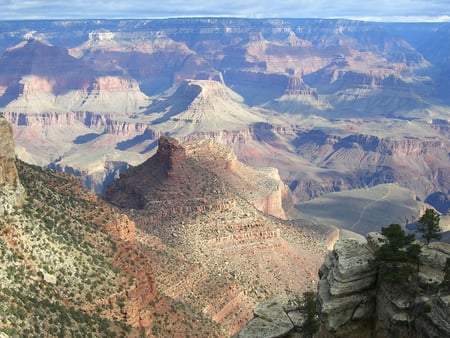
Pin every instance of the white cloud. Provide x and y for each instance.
(402, 10)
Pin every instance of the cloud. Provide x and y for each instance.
(376, 9)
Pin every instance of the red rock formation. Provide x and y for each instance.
(8, 171)
(170, 154)
(121, 227)
(262, 187)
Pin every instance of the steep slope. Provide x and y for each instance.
(8, 171)
(354, 301)
(12, 193)
(176, 196)
(72, 264)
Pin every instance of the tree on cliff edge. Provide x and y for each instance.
(428, 225)
(445, 285)
(309, 308)
(395, 257)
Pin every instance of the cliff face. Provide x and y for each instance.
(351, 304)
(8, 171)
(12, 193)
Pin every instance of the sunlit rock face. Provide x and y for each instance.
(8, 171)
(12, 193)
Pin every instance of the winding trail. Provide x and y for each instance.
(361, 214)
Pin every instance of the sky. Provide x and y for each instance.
(368, 10)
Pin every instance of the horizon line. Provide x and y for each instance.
(377, 19)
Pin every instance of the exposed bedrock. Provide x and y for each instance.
(352, 304)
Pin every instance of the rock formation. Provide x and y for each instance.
(8, 171)
(351, 304)
(346, 293)
(12, 193)
(262, 187)
(270, 320)
(191, 197)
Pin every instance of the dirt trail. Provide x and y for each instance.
(361, 214)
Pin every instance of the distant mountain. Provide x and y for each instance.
(310, 97)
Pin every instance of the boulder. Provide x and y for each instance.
(270, 320)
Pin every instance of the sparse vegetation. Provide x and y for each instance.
(54, 266)
(308, 306)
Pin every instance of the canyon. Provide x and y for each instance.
(223, 159)
(334, 105)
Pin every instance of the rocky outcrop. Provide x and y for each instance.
(346, 291)
(351, 303)
(262, 187)
(170, 154)
(8, 170)
(121, 227)
(270, 320)
(12, 193)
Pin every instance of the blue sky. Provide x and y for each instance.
(377, 10)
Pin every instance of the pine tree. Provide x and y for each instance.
(446, 282)
(308, 306)
(395, 257)
(428, 225)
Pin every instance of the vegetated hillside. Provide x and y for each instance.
(72, 266)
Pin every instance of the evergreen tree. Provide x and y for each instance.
(308, 306)
(428, 225)
(395, 257)
(446, 282)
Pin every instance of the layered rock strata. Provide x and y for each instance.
(346, 291)
(191, 198)
(352, 304)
